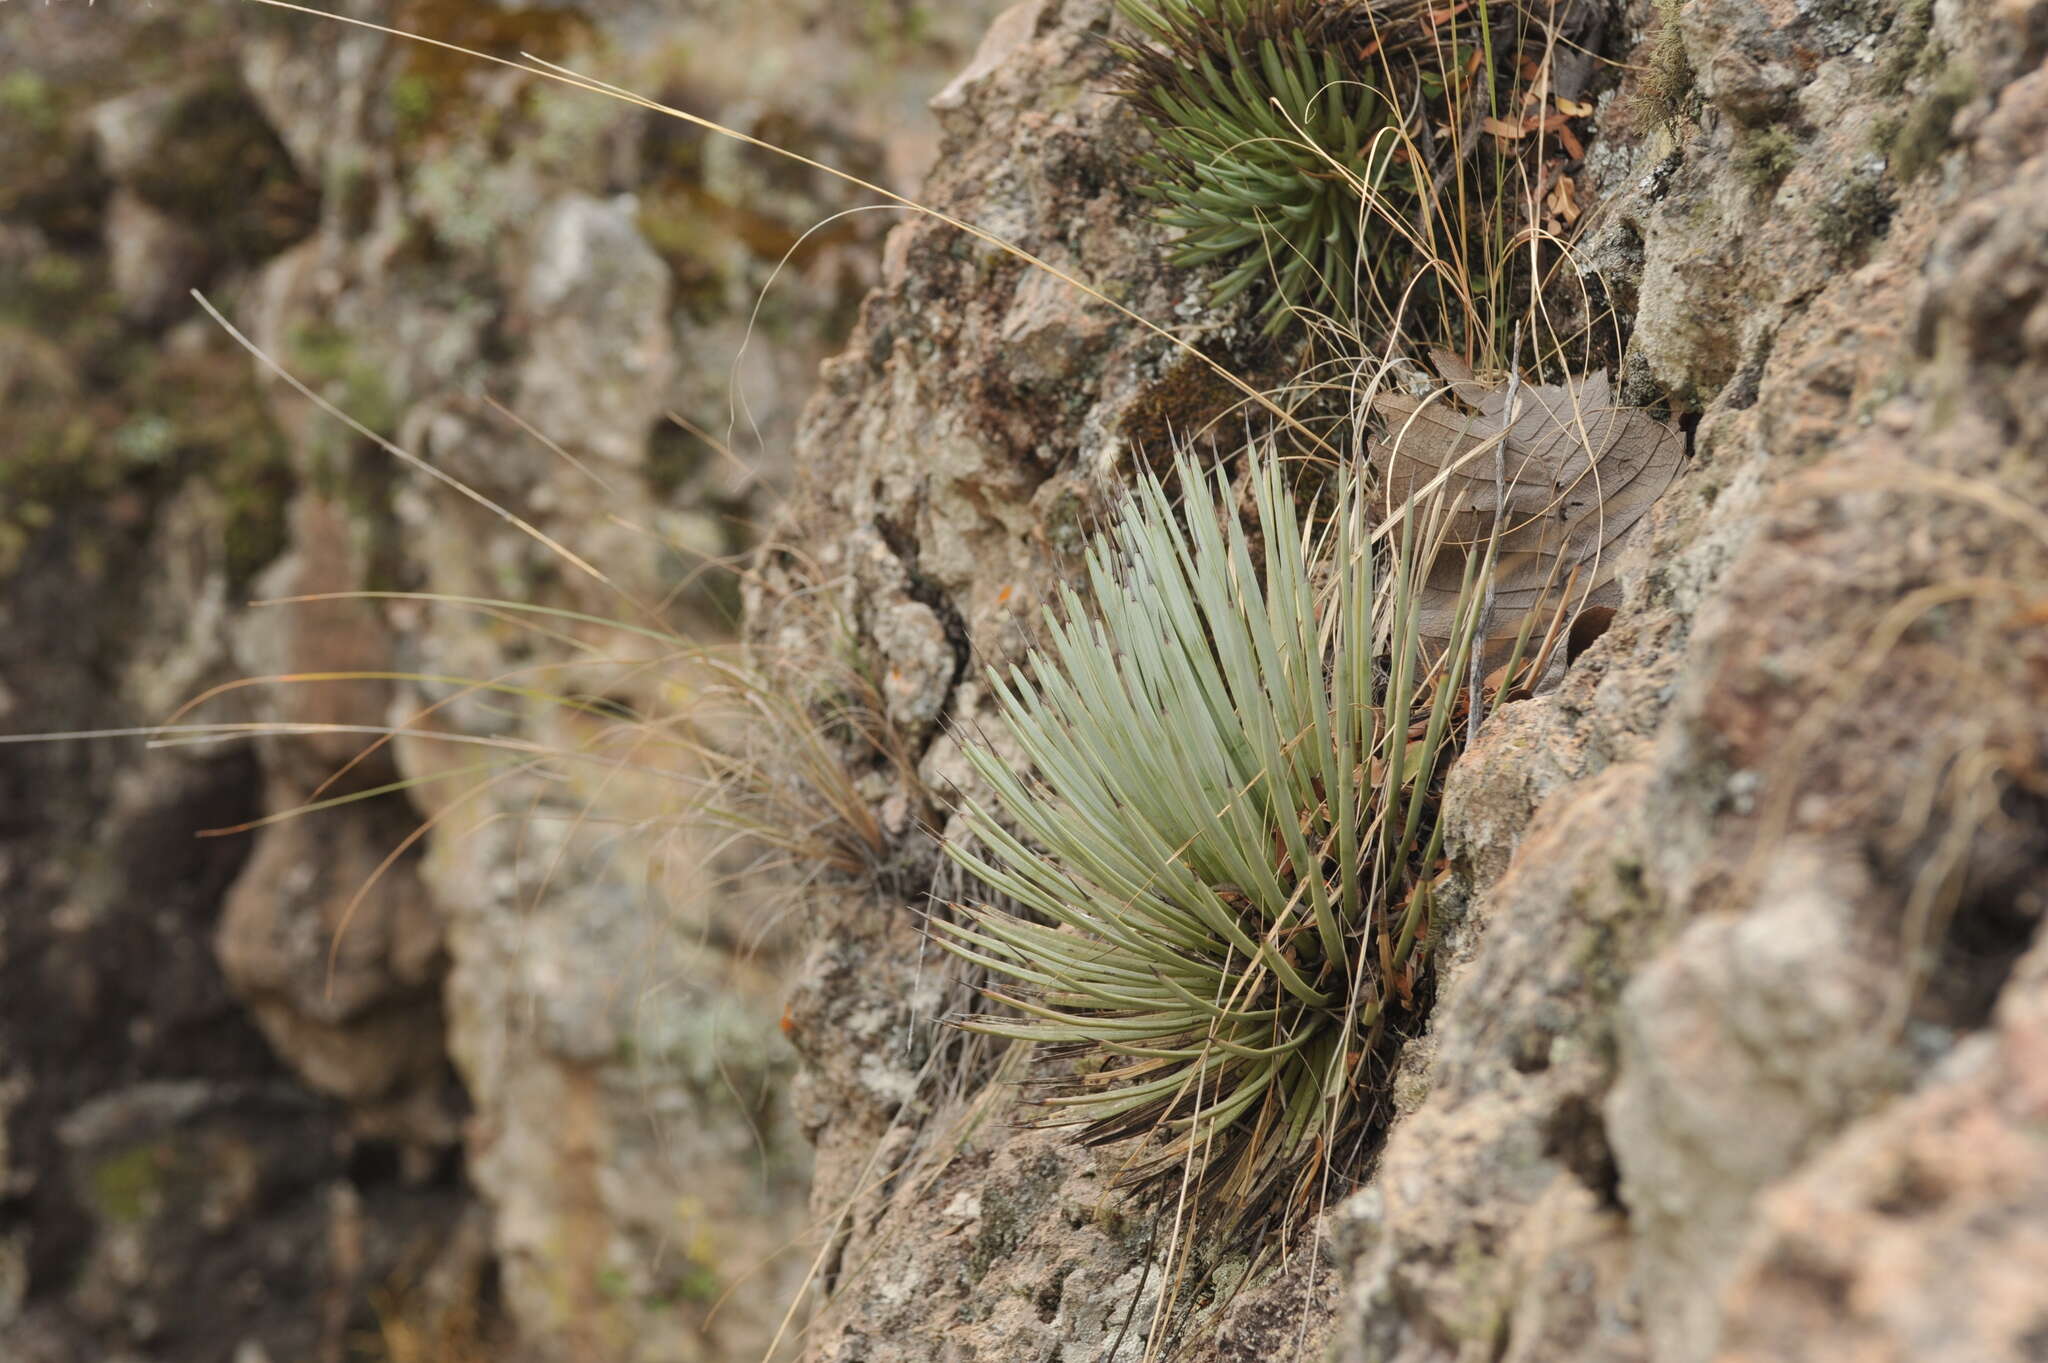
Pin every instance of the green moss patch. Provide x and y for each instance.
(128, 1188)
(1766, 156)
(1924, 133)
(96, 408)
(1667, 81)
(1857, 212)
(432, 91)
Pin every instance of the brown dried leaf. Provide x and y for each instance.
(1568, 482)
(1564, 196)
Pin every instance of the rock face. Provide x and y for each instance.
(1751, 901)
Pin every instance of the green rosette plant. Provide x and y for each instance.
(1220, 860)
(1269, 134)
(1379, 168)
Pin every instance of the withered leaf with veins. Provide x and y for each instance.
(1568, 484)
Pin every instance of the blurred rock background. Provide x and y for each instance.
(527, 1099)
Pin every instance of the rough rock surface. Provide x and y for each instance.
(1730, 1047)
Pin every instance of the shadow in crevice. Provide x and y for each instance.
(1997, 919)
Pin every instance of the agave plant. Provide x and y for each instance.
(1377, 161)
(1223, 866)
(1266, 127)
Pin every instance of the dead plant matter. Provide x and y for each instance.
(1554, 490)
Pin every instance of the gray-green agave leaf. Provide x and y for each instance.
(1222, 848)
